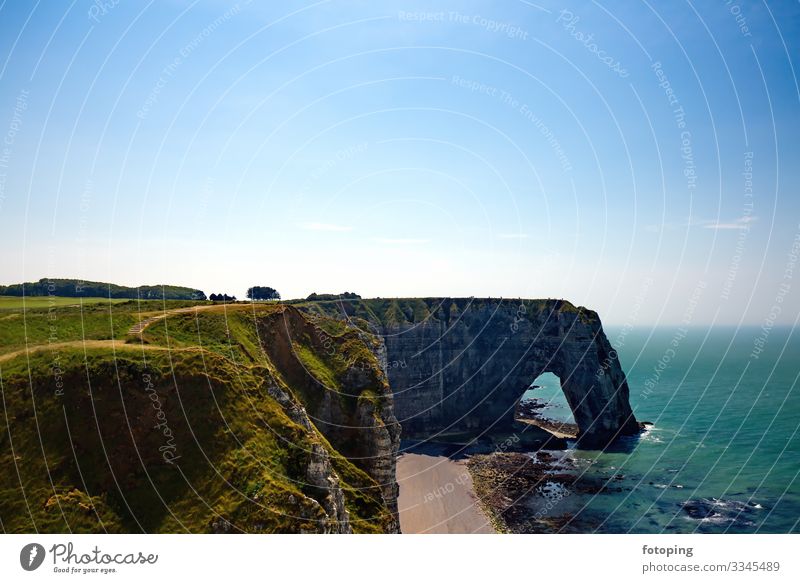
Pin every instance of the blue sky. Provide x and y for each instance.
(410, 149)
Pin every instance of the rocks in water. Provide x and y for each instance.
(530, 411)
(530, 408)
(523, 494)
(545, 456)
(553, 491)
(718, 511)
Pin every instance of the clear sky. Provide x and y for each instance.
(637, 158)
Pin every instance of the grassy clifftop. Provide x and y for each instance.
(192, 427)
(404, 311)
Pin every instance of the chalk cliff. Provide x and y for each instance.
(274, 418)
(339, 374)
(460, 365)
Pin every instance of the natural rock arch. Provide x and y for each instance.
(461, 365)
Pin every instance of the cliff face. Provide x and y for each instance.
(321, 479)
(269, 419)
(461, 365)
(339, 374)
(231, 419)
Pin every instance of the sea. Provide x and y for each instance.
(722, 453)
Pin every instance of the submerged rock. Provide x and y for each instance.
(718, 511)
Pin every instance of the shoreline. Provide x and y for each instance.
(525, 493)
(531, 412)
(437, 496)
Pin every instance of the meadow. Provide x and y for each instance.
(31, 321)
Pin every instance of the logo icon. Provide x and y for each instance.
(31, 556)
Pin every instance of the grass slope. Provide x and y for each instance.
(84, 431)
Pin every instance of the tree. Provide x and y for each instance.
(315, 297)
(221, 298)
(258, 292)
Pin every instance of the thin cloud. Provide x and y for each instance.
(324, 227)
(740, 223)
(512, 235)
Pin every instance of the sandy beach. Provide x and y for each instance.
(437, 496)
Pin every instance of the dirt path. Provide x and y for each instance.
(119, 344)
(437, 496)
(142, 325)
(115, 344)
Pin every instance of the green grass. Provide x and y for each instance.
(229, 331)
(66, 322)
(242, 458)
(33, 302)
(212, 415)
(232, 438)
(317, 367)
(19, 328)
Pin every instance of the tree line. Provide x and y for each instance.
(76, 288)
(257, 293)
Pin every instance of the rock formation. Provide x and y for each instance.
(277, 419)
(341, 379)
(255, 420)
(459, 366)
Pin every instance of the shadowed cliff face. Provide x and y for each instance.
(459, 366)
(339, 375)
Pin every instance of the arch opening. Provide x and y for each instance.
(544, 404)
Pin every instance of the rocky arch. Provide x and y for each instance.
(466, 364)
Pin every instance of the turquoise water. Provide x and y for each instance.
(723, 454)
(548, 392)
